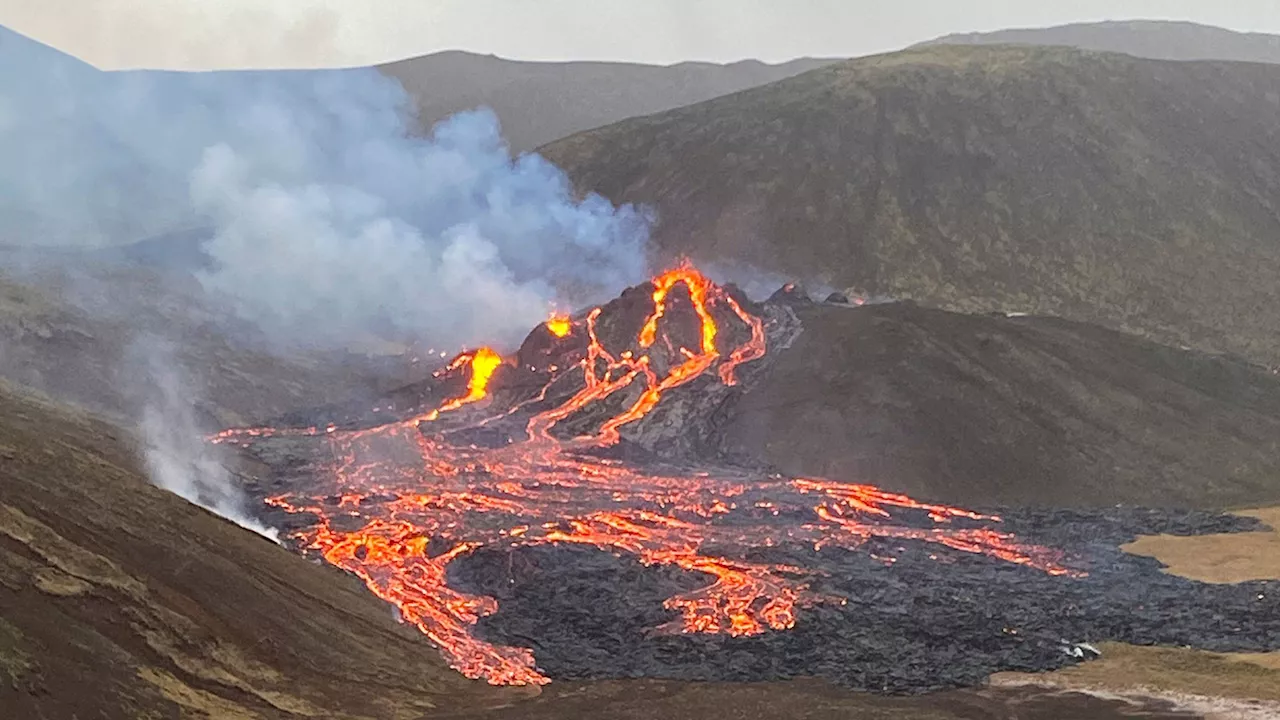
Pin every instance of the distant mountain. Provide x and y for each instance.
(1158, 39)
(1140, 194)
(543, 101)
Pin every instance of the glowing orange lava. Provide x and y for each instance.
(559, 325)
(483, 363)
(396, 487)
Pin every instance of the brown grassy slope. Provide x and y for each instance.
(119, 600)
(1158, 39)
(543, 101)
(1139, 194)
(1023, 411)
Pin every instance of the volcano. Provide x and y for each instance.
(572, 510)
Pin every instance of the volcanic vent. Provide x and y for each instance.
(599, 434)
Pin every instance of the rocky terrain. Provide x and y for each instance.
(921, 623)
(913, 616)
(120, 600)
(1137, 194)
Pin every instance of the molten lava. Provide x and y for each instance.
(559, 325)
(483, 362)
(394, 488)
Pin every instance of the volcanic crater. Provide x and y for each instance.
(570, 511)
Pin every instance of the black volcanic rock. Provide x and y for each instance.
(932, 620)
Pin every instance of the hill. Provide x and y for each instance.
(984, 410)
(1157, 39)
(118, 599)
(538, 102)
(1138, 194)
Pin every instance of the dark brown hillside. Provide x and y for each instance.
(120, 600)
(983, 410)
(1139, 194)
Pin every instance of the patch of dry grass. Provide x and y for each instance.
(1131, 669)
(1229, 558)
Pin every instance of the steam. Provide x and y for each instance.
(315, 214)
(176, 455)
(326, 220)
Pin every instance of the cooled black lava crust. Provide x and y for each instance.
(921, 624)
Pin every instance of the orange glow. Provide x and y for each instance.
(483, 363)
(397, 485)
(559, 325)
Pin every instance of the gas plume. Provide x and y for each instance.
(176, 458)
(299, 201)
(324, 217)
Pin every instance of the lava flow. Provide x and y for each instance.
(396, 489)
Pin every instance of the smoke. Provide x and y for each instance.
(314, 213)
(176, 455)
(326, 219)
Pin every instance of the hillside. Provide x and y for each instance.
(1138, 194)
(90, 339)
(982, 410)
(118, 600)
(538, 102)
(1157, 39)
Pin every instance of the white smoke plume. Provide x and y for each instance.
(326, 219)
(176, 455)
(315, 213)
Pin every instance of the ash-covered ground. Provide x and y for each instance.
(585, 542)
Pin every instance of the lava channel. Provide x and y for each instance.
(397, 488)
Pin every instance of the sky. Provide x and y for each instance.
(206, 34)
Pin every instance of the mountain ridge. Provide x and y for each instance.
(1040, 179)
(1155, 39)
(538, 102)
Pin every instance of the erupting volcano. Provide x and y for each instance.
(533, 453)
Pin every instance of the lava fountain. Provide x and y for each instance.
(402, 500)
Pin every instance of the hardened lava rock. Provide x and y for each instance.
(930, 619)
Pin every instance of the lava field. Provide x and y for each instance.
(564, 513)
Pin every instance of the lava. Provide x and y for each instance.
(559, 325)
(483, 362)
(397, 488)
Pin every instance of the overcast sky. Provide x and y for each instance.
(197, 34)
